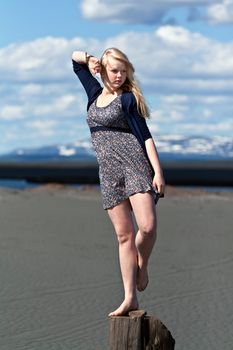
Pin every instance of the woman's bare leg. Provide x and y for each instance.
(122, 221)
(145, 215)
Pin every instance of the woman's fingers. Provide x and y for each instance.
(161, 190)
(159, 184)
(94, 65)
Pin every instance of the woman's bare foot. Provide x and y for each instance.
(142, 278)
(125, 307)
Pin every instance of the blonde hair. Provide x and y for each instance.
(130, 83)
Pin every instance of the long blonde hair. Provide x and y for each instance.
(130, 83)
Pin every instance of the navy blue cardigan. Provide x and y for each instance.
(93, 89)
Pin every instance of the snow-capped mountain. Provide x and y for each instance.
(170, 147)
(74, 151)
(195, 147)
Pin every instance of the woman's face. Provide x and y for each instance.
(116, 74)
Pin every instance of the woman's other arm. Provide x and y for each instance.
(158, 180)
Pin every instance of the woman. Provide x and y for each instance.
(129, 166)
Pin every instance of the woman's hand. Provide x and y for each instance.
(159, 183)
(91, 61)
(94, 65)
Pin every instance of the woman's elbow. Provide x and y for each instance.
(74, 55)
(79, 56)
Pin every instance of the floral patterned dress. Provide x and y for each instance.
(123, 167)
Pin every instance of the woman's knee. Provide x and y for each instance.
(124, 235)
(148, 228)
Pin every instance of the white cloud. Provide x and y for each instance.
(221, 13)
(191, 59)
(207, 113)
(131, 11)
(55, 106)
(198, 55)
(42, 127)
(169, 52)
(208, 128)
(196, 114)
(123, 11)
(157, 12)
(175, 99)
(205, 86)
(181, 38)
(30, 90)
(186, 77)
(41, 60)
(212, 100)
(11, 112)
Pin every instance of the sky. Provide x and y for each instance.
(182, 51)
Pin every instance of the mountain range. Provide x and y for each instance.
(170, 148)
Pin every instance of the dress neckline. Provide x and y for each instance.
(108, 103)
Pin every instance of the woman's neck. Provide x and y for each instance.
(107, 92)
(106, 97)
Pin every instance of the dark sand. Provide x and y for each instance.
(60, 278)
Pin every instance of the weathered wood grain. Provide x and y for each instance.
(139, 332)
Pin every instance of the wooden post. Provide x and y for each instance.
(125, 331)
(156, 335)
(139, 332)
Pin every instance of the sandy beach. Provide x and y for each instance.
(60, 277)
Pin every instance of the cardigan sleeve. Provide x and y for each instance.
(136, 122)
(141, 121)
(89, 82)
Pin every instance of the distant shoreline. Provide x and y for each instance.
(93, 191)
(188, 173)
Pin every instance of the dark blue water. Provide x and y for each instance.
(17, 184)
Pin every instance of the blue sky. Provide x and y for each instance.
(182, 51)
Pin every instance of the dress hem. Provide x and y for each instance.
(127, 197)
